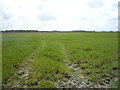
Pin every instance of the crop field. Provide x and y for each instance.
(60, 60)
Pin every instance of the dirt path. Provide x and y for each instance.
(20, 78)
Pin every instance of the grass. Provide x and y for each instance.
(15, 48)
(95, 53)
(0, 59)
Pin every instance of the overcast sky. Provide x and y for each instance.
(65, 15)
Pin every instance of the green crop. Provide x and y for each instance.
(46, 57)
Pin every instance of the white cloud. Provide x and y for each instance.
(96, 4)
(59, 14)
(5, 16)
(45, 17)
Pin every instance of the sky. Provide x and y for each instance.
(61, 15)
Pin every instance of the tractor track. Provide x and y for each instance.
(21, 76)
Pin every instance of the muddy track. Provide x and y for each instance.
(20, 77)
(77, 79)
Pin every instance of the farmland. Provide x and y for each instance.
(60, 60)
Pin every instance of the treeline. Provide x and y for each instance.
(54, 31)
(20, 31)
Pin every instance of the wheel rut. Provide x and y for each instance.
(21, 76)
(75, 79)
